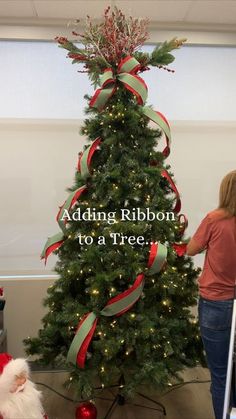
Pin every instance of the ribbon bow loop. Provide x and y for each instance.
(106, 78)
(129, 65)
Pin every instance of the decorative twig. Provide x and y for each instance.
(118, 36)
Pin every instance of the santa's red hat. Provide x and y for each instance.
(10, 368)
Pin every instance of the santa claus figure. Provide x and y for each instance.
(19, 398)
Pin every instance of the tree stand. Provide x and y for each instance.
(120, 400)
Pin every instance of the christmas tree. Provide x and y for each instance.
(121, 306)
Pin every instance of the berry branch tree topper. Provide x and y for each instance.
(105, 44)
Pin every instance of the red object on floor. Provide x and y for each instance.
(86, 410)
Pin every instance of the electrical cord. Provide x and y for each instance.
(57, 392)
(174, 387)
(179, 385)
(68, 398)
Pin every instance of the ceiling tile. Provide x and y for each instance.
(223, 12)
(173, 11)
(156, 10)
(69, 9)
(16, 8)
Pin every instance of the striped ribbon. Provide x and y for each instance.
(72, 198)
(115, 307)
(163, 124)
(86, 157)
(157, 256)
(52, 244)
(126, 74)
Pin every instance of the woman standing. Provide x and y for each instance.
(217, 234)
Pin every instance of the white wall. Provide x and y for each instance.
(38, 162)
(202, 153)
(23, 310)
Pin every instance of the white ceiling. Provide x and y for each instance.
(186, 12)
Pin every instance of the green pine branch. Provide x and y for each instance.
(161, 54)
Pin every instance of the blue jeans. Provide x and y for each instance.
(215, 326)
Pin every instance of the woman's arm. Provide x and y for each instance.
(201, 238)
(193, 248)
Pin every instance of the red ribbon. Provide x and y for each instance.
(177, 207)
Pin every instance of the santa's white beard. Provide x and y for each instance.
(24, 404)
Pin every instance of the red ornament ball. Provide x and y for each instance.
(86, 410)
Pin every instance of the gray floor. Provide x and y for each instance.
(192, 401)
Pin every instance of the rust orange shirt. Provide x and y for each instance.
(218, 236)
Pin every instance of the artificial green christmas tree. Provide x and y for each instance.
(121, 306)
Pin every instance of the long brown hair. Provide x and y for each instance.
(227, 195)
